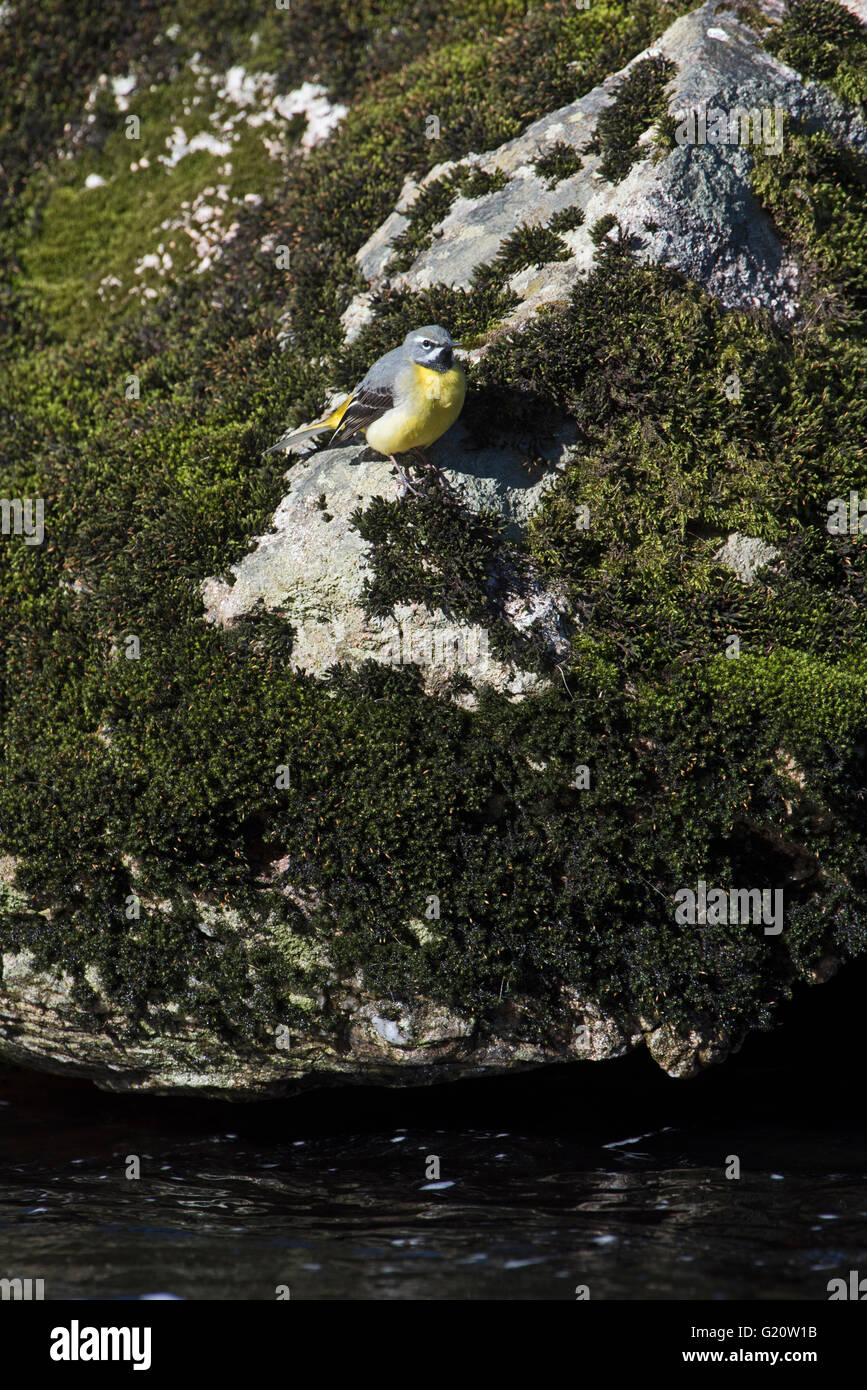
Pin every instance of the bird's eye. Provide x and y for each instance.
(426, 342)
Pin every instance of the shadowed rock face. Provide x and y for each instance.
(261, 994)
(366, 1041)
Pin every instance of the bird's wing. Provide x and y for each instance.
(374, 395)
(367, 404)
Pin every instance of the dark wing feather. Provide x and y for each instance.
(366, 405)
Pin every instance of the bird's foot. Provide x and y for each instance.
(405, 485)
(432, 468)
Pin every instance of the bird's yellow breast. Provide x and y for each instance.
(427, 403)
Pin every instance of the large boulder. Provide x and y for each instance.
(309, 786)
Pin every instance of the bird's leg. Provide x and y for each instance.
(405, 484)
(432, 468)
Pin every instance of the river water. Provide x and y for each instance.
(609, 1176)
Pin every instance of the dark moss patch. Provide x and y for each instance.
(434, 552)
(638, 103)
(560, 161)
(567, 220)
(523, 247)
(265, 630)
(601, 227)
(478, 183)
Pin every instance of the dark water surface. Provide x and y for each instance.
(610, 1175)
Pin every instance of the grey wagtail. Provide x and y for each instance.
(406, 401)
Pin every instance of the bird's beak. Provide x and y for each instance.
(457, 345)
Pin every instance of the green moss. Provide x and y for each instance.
(638, 103)
(525, 246)
(817, 191)
(567, 220)
(560, 161)
(601, 227)
(434, 552)
(824, 40)
(659, 508)
(665, 136)
(478, 183)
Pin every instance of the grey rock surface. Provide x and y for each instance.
(692, 209)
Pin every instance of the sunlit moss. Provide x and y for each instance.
(560, 161)
(823, 39)
(638, 102)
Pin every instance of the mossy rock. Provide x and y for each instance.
(226, 869)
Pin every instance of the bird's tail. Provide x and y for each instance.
(330, 422)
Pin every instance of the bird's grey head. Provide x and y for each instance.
(432, 347)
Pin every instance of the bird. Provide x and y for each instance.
(409, 397)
